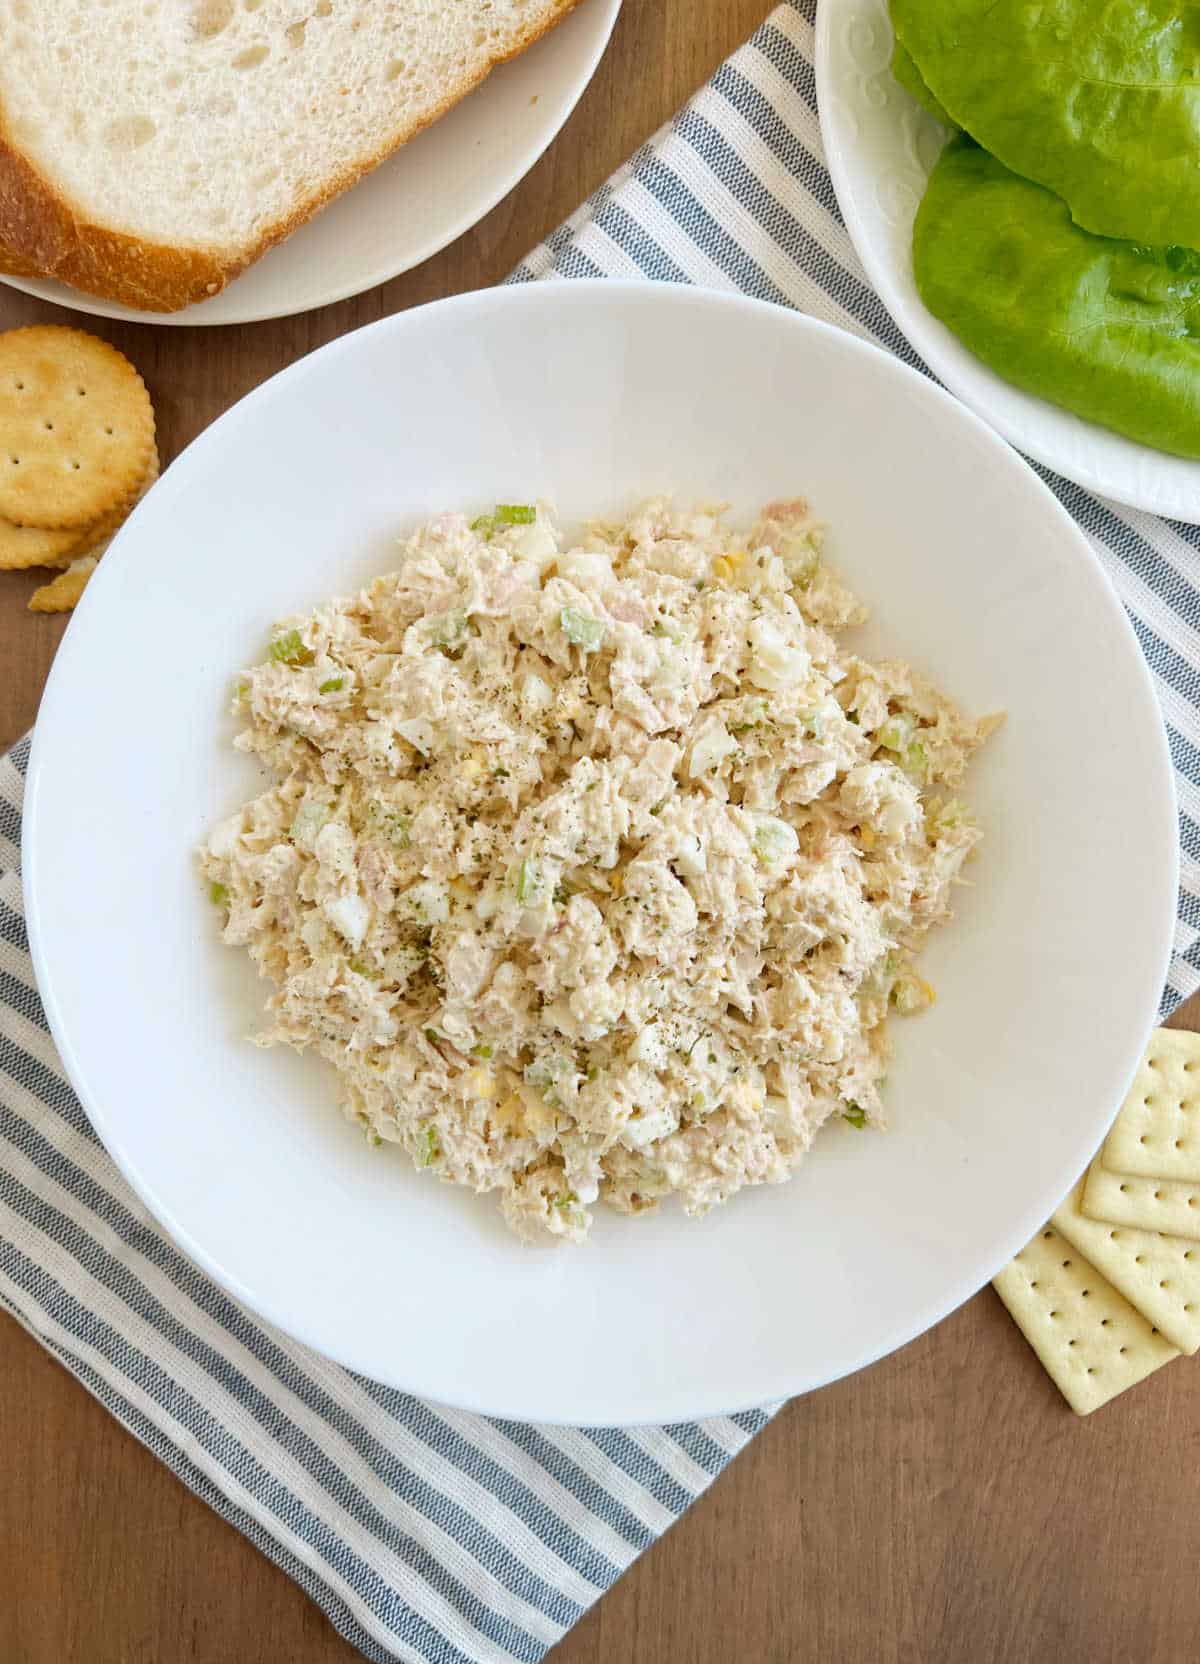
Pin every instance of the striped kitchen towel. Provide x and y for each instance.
(424, 1533)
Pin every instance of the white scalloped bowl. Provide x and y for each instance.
(1048, 977)
(881, 146)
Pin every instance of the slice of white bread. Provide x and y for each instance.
(151, 149)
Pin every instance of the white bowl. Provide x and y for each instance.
(593, 394)
(432, 190)
(881, 146)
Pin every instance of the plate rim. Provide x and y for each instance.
(668, 1405)
(918, 325)
(193, 316)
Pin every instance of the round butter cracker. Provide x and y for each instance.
(62, 593)
(76, 428)
(22, 546)
(25, 546)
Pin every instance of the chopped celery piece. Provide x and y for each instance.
(308, 821)
(585, 632)
(505, 514)
(390, 822)
(911, 994)
(543, 1072)
(916, 759)
(447, 629)
(433, 1148)
(481, 1051)
(241, 690)
(289, 649)
(529, 877)
(218, 894)
(567, 1201)
(802, 566)
(896, 733)
(856, 1116)
(775, 840)
(945, 817)
(335, 684)
(753, 714)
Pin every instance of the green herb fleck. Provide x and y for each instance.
(856, 1116)
(481, 1051)
(218, 894)
(335, 684)
(433, 1148)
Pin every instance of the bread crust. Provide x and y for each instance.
(42, 234)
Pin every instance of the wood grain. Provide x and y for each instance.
(943, 1507)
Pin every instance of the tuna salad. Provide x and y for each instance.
(595, 866)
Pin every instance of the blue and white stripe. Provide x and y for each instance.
(429, 1534)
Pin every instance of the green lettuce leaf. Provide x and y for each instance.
(1100, 102)
(1107, 329)
(904, 68)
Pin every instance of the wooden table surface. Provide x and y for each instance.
(943, 1507)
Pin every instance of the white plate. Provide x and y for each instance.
(881, 147)
(426, 195)
(1048, 978)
